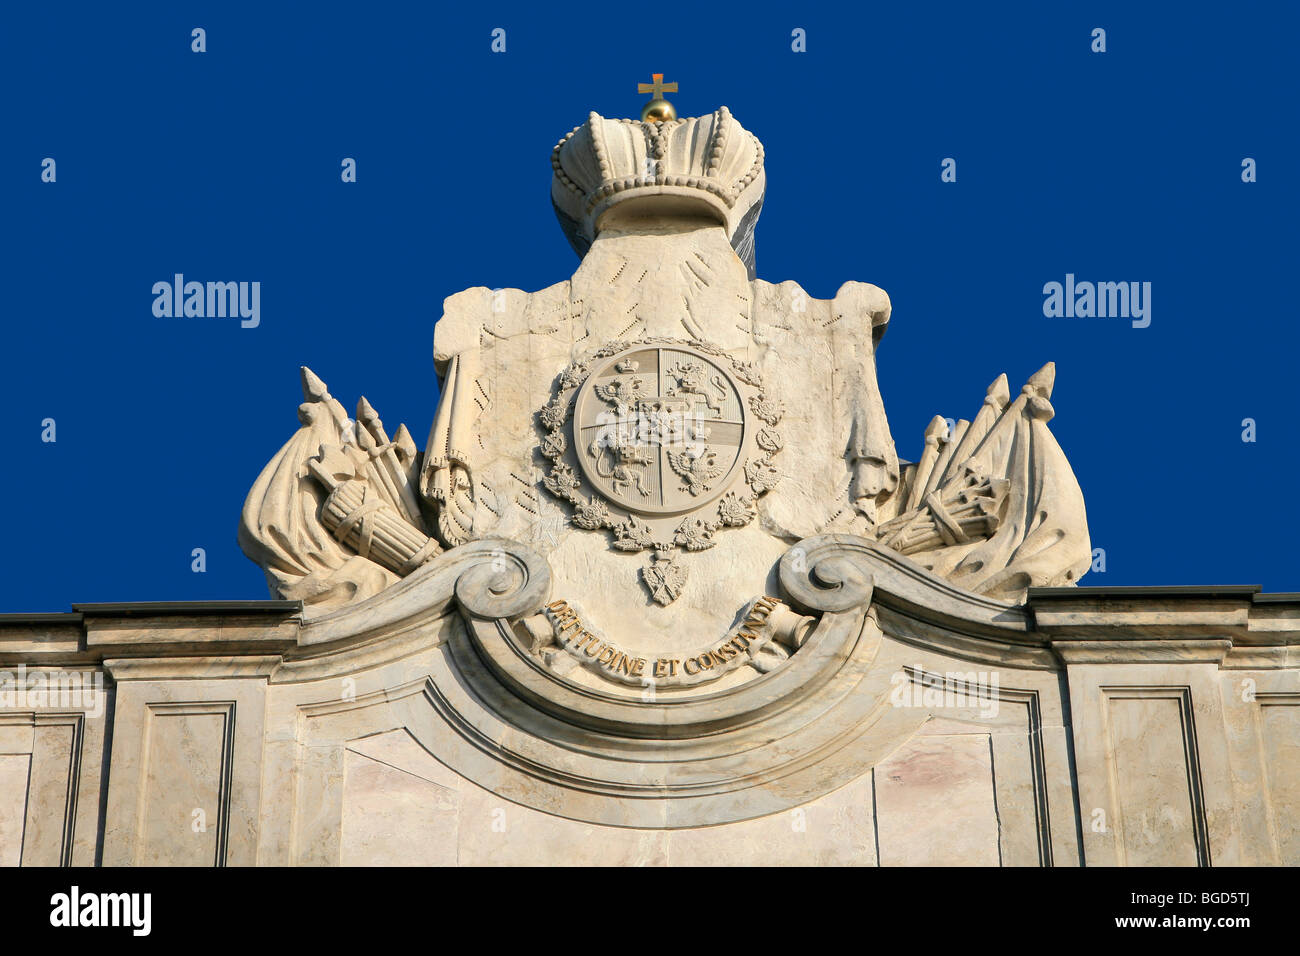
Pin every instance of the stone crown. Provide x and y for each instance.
(708, 165)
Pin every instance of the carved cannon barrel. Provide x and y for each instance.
(360, 519)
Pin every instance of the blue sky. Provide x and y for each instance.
(1115, 166)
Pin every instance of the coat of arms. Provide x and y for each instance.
(680, 396)
(669, 442)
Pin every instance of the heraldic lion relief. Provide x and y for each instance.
(676, 482)
(659, 430)
(674, 562)
(659, 566)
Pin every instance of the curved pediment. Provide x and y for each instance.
(774, 731)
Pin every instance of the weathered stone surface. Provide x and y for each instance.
(658, 591)
(937, 736)
(665, 400)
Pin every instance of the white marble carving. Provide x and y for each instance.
(662, 426)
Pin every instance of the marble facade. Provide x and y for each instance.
(659, 590)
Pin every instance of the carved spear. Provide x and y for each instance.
(314, 390)
(1039, 386)
(404, 445)
(945, 455)
(1043, 381)
(995, 402)
(925, 466)
(384, 461)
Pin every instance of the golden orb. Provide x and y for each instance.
(658, 111)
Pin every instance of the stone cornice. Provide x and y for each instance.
(1234, 626)
(93, 633)
(208, 667)
(1180, 624)
(1143, 620)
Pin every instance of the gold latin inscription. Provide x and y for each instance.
(581, 641)
(621, 665)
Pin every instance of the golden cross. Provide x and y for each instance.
(658, 88)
